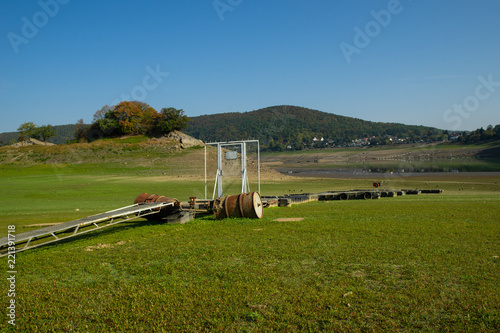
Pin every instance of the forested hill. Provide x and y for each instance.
(290, 126)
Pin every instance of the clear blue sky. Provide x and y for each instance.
(418, 62)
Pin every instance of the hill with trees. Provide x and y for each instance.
(278, 128)
(126, 118)
(291, 127)
(481, 135)
(63, 134)
(131, 118)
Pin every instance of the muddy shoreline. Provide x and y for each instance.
(359, 174)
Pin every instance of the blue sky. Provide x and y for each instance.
(420, 62)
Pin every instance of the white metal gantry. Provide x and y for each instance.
(245, 186)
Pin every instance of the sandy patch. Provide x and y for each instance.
(289, 219)
(103, 246)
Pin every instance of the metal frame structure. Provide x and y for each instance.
(245, 186)
(74, 228)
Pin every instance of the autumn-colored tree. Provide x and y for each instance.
(149, 118)
(129, 116)
(135, 117)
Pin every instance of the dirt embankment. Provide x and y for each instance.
(403, 153)
(176, 156)
(377, 161)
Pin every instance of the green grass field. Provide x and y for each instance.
(414, 263)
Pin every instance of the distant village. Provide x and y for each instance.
(321, 142)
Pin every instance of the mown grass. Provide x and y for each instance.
(386, 265)
(413, 263)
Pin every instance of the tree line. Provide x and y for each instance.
(129, 117)
(31, 130)
(480, 135)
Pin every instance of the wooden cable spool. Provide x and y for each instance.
(247, 205)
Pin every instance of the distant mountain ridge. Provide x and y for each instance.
(294, 126)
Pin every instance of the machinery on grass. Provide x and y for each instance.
(152, 207)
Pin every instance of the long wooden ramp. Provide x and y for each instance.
(35, 238)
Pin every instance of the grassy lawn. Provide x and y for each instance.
(413, 263)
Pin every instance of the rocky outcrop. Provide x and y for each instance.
(185, 140)
(31, 142)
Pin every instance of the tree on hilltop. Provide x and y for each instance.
(27, 130)
(31, 130)
(129, 117)
(149, 118)
(101, 114)
(80, 130)
(172, 119)
(46, 132)
(134, 117)
(103, 124)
